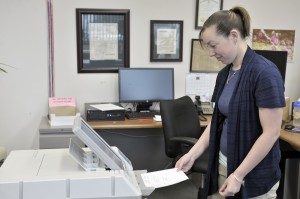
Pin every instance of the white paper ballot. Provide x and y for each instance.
(163, 178)
(107, 107)
(157, 118)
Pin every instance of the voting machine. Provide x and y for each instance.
(96, 172)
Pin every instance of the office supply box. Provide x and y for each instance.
(104, 112)
(286, 110)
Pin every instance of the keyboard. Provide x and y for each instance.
(139, 115)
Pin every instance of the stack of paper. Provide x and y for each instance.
(62, 111)
(163, 178)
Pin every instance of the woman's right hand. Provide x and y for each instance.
(185, 163)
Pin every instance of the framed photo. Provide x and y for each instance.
(102, 40)
(166, 41)
(205, 8)
(201, 61)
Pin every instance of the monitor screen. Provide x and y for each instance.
(146, 84)
(279, 58)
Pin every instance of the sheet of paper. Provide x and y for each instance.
(197, 83)
(103, 41)
(157, 118)
(107, 107)
(200, 84)
(166, 41)
(163, 178)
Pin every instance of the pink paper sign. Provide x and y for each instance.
(62, 101)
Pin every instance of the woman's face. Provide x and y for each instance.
(223, 48)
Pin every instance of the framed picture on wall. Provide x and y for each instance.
(166, 41)
(102, 40)
(205, 8)
(201, 61)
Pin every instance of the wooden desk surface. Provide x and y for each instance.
(125, 124)
(139, 123)
(291, 138)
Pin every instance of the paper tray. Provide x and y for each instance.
(62, 120)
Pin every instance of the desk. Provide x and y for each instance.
(290, 137)
(126, 124)
(131, 124)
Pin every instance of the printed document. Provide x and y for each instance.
(163, 178)
(107, 107)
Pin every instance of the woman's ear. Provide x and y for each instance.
(235, 35)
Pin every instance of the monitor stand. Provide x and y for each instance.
(143, 106)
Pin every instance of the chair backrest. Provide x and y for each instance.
(179, 119)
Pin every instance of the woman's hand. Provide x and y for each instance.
(185, 163)
(230, 187)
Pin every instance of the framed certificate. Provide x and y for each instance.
(201, 61)
(166, 41)
(102, 40)
(205, 8)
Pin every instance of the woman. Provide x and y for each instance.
(242, 138)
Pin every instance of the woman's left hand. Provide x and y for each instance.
(230, 187)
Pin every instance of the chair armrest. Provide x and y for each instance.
(185, 140)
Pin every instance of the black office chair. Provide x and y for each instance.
(181, 127)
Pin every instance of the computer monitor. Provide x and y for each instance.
(145, 85)
(279, 58)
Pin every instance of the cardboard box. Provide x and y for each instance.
(62, 111)
(62, 120)
(286, 110)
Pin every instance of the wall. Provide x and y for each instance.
(24, 89)
(103, 87)
(23, 44)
